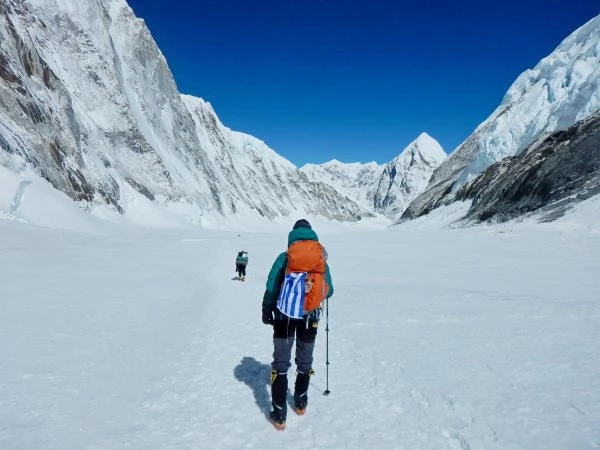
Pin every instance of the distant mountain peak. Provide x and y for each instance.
(387, 188)
(427, 147)
(424, 137)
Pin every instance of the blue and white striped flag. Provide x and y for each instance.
(291, 296)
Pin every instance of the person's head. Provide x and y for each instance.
(302, 223)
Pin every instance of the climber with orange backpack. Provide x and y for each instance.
(298, 283)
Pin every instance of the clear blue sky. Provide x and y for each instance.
(355, 80)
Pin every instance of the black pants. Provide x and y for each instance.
(241, 269)
(284, 331)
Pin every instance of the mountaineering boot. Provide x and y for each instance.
(279, 383)
(301, 391)
(243, 277)
(276, 420)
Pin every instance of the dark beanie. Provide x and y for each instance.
(302, 223)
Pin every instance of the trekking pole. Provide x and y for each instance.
(327, 346)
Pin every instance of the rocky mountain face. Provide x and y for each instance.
(550, 175)
(87, 102)
(389, 188)
(561, 90)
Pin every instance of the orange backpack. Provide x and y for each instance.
(309, 257)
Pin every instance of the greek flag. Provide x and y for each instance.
(291, 297)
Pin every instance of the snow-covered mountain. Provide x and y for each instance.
(407, 175)
(356, 180)
(88, 103)
(559, 91)
(253, 178)
(389, 188)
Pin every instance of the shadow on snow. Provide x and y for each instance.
(256, 376)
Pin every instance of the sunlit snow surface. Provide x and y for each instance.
(440, 338)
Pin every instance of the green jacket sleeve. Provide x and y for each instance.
(328, 279)
(276, 276)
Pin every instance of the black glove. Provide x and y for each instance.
(268, 316)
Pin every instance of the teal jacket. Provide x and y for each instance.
(243, 260)
(277, 272)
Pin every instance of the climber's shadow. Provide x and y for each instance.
(256, 376)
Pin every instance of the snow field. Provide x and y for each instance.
(481, 338)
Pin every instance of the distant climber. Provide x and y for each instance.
(240, 264)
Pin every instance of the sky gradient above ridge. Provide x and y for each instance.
(355, 81)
